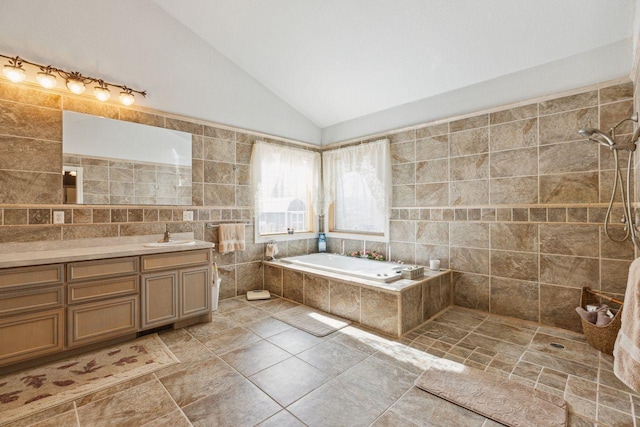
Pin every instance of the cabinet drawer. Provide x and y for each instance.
(101, 320)
(25, 276)
(84, 292)
(106, 268)
(32, 299)
(175, 259)
(31, 335)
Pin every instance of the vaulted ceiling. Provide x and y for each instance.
(337, 60)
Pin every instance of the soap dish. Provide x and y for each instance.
(413, 273)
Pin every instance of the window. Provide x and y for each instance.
(357, 189)
(285, 184)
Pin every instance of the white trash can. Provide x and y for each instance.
(215, 287)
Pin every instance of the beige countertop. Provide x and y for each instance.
(40, 253)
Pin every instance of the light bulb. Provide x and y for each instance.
(102, 93)
(126, 98)
(14, 73)
(47, 80)
(76, 86)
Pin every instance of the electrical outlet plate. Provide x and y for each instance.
(58, 217)
(187, 215)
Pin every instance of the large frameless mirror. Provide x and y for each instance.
(113, 162)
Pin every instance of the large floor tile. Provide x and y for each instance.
(332, 357)
(505, 332)
(336, 404)
(174, 419)
(392, 419)
(389, 382)
(255, 357)
(218, 324)
(200, 380)
(244, 404)
(229, 340)
(289, 380)
(574, 351)
(425, 409)
(282, 419)
(135, 406)
(295, 341)
(247, 315)
(267, 327)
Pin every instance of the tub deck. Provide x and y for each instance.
(393, 308)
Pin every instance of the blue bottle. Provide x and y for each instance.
(322, 243)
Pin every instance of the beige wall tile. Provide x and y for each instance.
(25, 154)
(293, 284)
(218, 173)
(227, 282)
(432, 148)
(572, 102)
(434, 130)
(402, 231)
(470, 192)
(514, 163)
(425, 253)
(316, 292)
(406, 135)
(578, 156)
(611, 114)
(249, 277)
(470, 260)
(432, 171)
(85, 106)
(581, 187)
(345, 300)
(379, 310)
(273, 279)
(569, 271)
(580, 240)
(514, 265)
(468, 142)
(616, 93)
(26, 95)
(404, 195)
(471, 291)
(514, 237)
(404, 173)
(469, 167)
(469, 234)
(512, 114)
(219, 133)
(403, 152)
(219, 150)
(613, 275)
(469, 123)
(30, 187)
(411, 308)
(556, 307)
(30, 122)
(509, 136)
(219, 195)
(183, 126)
(73, 232)
(141, 117)
(564, 127)
(432, 194)
(514, 298)
(436, 233)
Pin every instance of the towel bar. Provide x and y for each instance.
(212, 225)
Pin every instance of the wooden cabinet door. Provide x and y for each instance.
(159, 299)
(31, 335)
(195, 292)
(99, 321)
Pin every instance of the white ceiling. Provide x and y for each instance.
(337, 60)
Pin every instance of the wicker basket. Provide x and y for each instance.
(600, 337)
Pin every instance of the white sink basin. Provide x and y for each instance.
(171, 243)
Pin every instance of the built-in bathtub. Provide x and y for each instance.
(378, 271)
(351, 288)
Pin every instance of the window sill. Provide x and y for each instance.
(357, 236)
(286, 237)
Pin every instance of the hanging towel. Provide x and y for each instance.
(231, 238)
(271, 251)
(626, 352)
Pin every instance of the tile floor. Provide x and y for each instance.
(246, 368)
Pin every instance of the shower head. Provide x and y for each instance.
(596, 135)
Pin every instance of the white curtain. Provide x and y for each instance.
(357, 180)
(281, 178)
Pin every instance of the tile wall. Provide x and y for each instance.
(514, 202)
(31, 182)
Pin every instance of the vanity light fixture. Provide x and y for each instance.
(75, 82)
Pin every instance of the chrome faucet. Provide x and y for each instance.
(167, 236)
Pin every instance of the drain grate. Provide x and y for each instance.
(556, 345)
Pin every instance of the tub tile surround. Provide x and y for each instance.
(393, 308)
(285, 373)
(513, 201)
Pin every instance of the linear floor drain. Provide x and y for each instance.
(556, 345)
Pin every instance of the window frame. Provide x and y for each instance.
(312, 216)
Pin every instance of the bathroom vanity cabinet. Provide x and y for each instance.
(55, 308)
